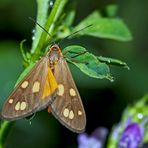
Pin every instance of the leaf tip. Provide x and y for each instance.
(110, 78)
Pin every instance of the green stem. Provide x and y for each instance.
(42, 13)
(58, 13)
(4, 131)
(1, 146)
(50, 24)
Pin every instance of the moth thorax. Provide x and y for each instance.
(54, 57)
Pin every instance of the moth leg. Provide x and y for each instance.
(30, 117)
(49, 109)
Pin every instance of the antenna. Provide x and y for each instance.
(63, 38)
(75, 33)
(40, 25)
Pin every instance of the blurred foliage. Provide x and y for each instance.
(107, 100)
(91, 65)
(87, 62)
(104, 27)
(136, 113)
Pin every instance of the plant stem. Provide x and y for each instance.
(50, 24)
(42, 12)
(4, 131)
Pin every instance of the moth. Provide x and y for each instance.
(49, 84)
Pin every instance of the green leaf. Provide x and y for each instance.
(22, 50)
(90, 19)
(5, 126)
(63, 30)
(138, 113)
(139, 108)
(69, 18)
(87, 62)
(50, 24)
(110, 28)
(42, 11)
(111, 61)
(111, 10)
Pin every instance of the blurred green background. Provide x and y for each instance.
(103, 101)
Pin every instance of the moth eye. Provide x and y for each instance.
(60, 89)
(79, 113)
(36, 87)
(72, 92)
(71, 114)
(66, 112)
(24, 84)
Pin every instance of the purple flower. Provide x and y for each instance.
(131, 136)
(96, 140)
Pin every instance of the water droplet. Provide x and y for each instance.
(140, 115)
(51, 4)
(33, 31)
(33, 38)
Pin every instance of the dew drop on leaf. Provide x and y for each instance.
(33, 38)
(51, 4)
(33, 31)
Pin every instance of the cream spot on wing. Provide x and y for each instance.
(36, 87)
(60, 89)
(24, 84)
(23, 105)
(66, 112)
(17, 106)
(79, 113)
(71, 114)
(72, 92)
(10, 101)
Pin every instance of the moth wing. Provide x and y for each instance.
(67, 107)
(28, 96)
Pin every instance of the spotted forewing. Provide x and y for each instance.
(49, 82)
(67, 107)
(28, 96)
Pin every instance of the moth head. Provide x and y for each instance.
(54, 54)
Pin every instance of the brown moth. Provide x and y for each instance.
(67, 107)
(35, 92)
(49, 84)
